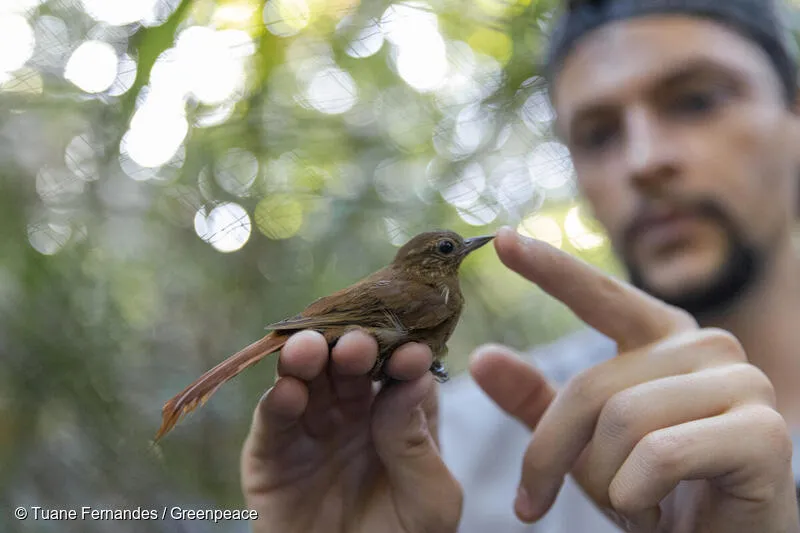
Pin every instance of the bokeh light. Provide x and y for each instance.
(279, 216)
(17, 42)
(157, 130)
(551, 168)
(210, 64)
(120, 12)
(396, 231)
(332, 91)
(126, 75)
(226, 227)
(19, 6)
(579, 235)
(53, 42)
(396, 179)
(467, 187)
(233, 14)
(80, 157)
(479, 214)
(92, 66)
(544, 228)
(367, 42)
(492, 43)
(419, 52)
(48, 238)
(56, 185)
(285, 18)
(537, 112)
(236, 171)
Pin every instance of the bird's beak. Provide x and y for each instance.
(472, 244)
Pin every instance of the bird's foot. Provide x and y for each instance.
(377, 372)
(439, 372)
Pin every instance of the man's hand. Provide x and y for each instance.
(325, 453)
(677, 433)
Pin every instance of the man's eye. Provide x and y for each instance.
(695, 103)
(595, 137)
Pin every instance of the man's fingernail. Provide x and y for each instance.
(523, 505)
(508, 229)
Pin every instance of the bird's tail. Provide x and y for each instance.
(203, 387)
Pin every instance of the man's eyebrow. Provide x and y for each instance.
(694, 69)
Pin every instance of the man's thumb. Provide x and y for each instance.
(407, 448)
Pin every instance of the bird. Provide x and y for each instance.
(416, 298)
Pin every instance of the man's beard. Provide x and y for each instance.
(741, 269)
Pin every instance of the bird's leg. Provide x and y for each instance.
(437, 367)
(377, 373)
(439, 372)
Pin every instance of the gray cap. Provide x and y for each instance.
(763, 21)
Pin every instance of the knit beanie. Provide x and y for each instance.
(762, 21)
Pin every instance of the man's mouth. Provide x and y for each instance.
(665, 227)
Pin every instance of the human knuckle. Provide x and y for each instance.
(753, 382)
(774, 432)
(620, 414)
(725, 343)
(683, 319)
(624, 499)
(660, 453)
(584, 388)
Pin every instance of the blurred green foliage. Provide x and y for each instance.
(202, 168)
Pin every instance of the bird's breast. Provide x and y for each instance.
(451, 294)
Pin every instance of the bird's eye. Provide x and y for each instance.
(446, 247)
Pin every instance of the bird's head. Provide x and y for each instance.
(437, 252)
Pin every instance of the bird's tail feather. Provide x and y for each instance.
(203, 387)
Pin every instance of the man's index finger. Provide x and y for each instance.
(615, 308)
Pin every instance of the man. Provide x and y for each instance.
(673, 411)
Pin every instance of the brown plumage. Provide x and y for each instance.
(415, 298)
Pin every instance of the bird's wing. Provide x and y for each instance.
(375, 302)
(311, 322)
(416, 305)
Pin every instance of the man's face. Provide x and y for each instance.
(686, 150)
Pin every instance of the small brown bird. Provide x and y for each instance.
(417, 298)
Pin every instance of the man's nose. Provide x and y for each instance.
(650, 155)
